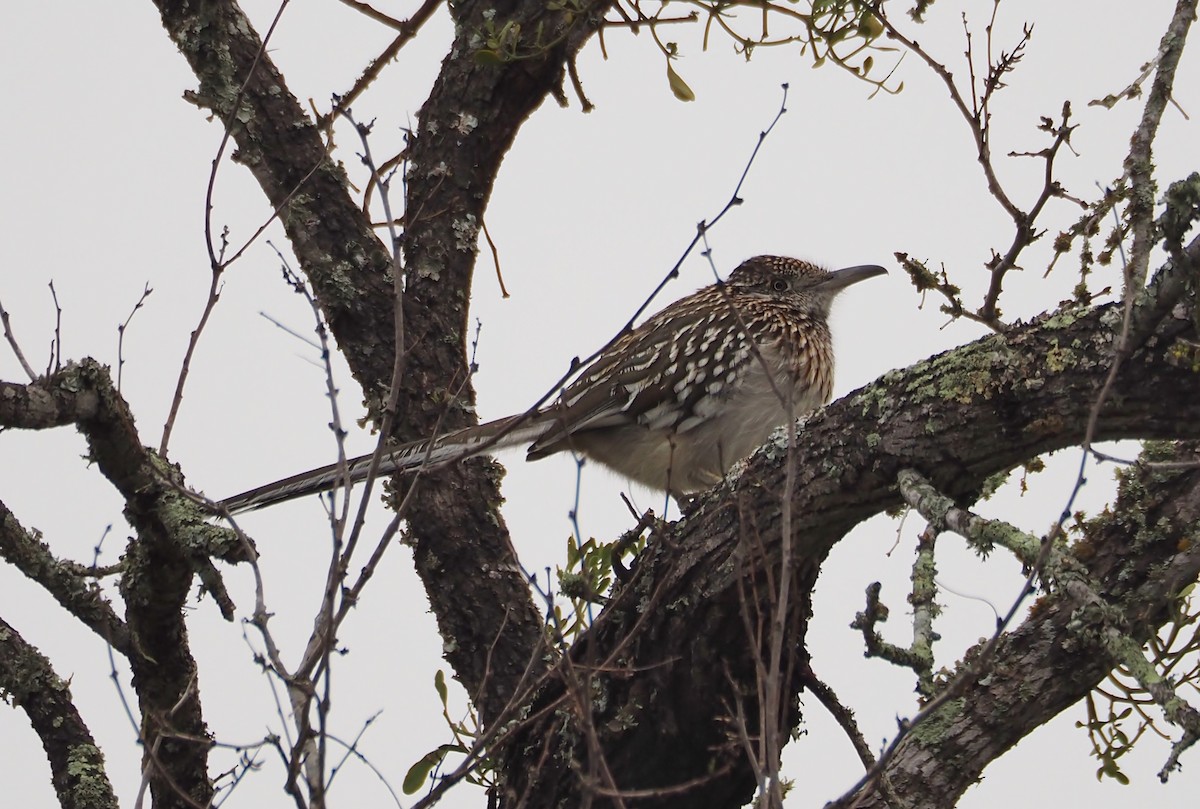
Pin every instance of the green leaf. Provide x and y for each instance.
(679, 86)
(870, 27)
(418, 773)
(1109, 768)
(439, 682)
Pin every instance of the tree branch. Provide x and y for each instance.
(1064, 649)
(76, 763)
(1139, 167)
(281, 146)
(463, 551)
(671, 643)
(65, 581)
(173, 541)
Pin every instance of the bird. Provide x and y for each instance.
(672, 403)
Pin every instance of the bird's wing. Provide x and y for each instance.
(648, 377)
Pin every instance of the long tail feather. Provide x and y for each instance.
(465, 443)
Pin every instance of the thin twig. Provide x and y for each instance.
(495, 257)
(1139, 166)
(373, 13)
(123, 328)
(55, 362)
(12, 342)
(408, 29)
(216, 259)
(977, 117)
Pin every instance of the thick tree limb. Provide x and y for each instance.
(76, 764)
(41, 407)
(462, 546)
(464, 130)
(173, 541)
(673, 644)
(1064, 649)
(67, 582)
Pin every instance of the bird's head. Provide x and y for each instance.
(799, 282)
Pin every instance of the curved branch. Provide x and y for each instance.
(76, 763)
(673, 643)
(463, 551)
(66, 582)
(1065, 643)
(173, 542)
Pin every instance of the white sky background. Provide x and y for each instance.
(104, 193)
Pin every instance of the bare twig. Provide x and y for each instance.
(370, 11)
(401, 355)
(1132, 91)
(842, 715)
(772, 722)
(1139, 168)
(121, 333)
(495, 258)
(217, 258)
(408, 29)
(12, 342)
(55, 362)
(978, 118)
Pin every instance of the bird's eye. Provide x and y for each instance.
(780, 285)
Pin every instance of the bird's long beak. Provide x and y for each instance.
(840, 279)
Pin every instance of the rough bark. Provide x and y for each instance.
(670, 658)
(652, 698)
(172, 542)
(282, 147)
(464, 130)
(1059, 654)
(70, 586)
(76, 764)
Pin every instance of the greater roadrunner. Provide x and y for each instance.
(671, 404)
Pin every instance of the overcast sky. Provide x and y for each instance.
(104, 194)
